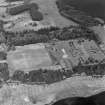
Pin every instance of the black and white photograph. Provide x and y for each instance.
(52, 52)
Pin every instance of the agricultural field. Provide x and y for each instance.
(27, 58)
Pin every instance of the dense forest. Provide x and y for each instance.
(33, 9)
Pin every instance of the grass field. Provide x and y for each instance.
(28, 58)
(50, 13)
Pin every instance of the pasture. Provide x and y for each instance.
(28, 58)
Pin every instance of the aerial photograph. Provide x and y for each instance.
(52, 52)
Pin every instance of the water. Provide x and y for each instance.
(95, 8)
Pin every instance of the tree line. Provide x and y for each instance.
(46, 35)
(91, 70)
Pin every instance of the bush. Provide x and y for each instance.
(4, 72)
(3, 55)
(36, 15)
(18, 9)
(13, 0)
(18, 75)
